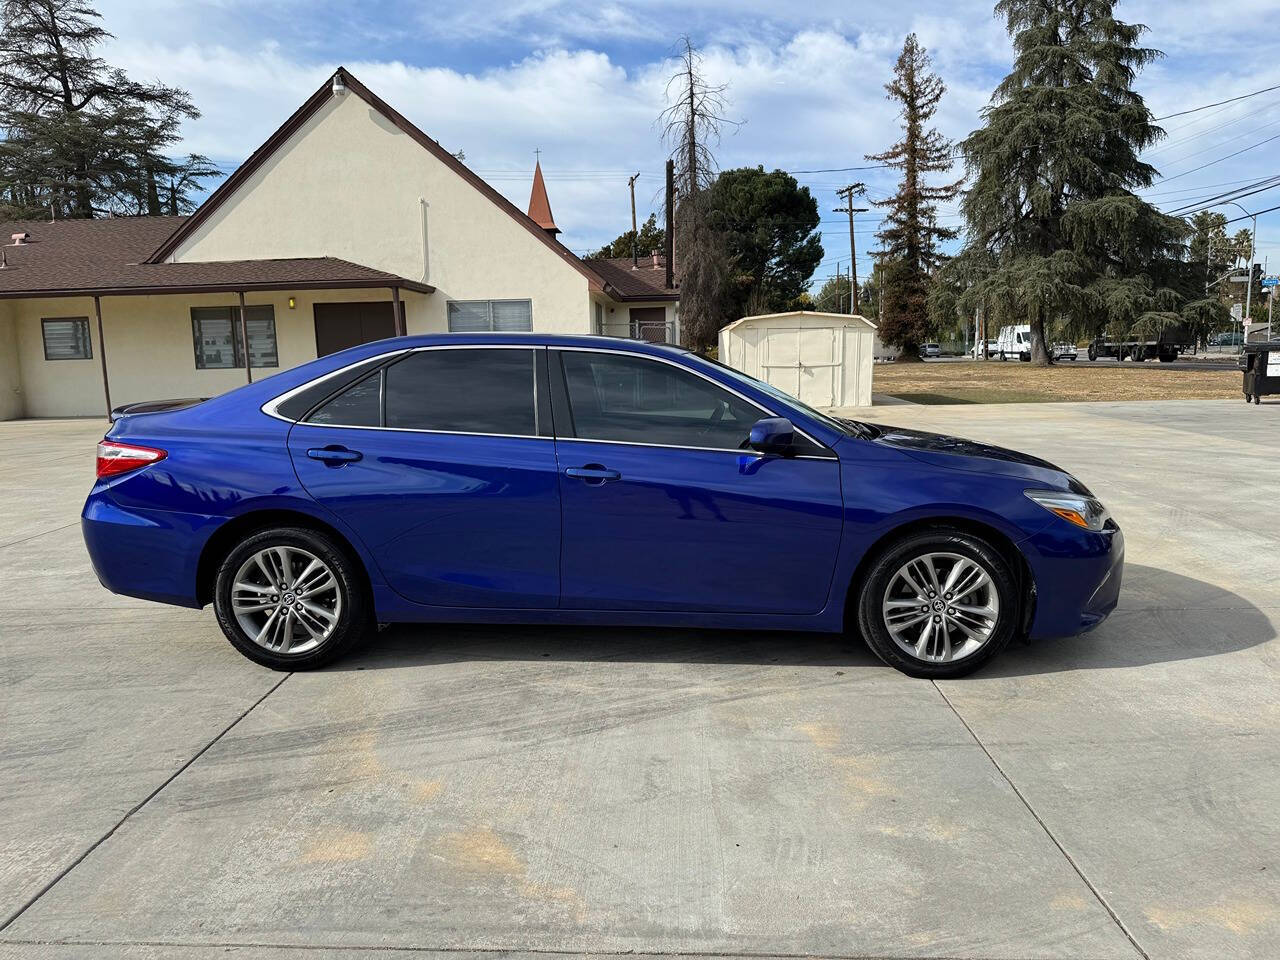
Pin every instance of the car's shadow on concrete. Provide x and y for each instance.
(1162, 617)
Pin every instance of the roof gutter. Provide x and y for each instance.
(247, 287)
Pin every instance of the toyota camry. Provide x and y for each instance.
(583, 480)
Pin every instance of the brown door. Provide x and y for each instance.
(649, 323)
(342, 325)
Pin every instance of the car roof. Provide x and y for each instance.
(541, 339)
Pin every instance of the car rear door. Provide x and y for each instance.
(663, 510)
(443, 463)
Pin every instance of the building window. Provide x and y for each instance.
(502, 316)
(66, 338)
(216, 331)
(599, 317)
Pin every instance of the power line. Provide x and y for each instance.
(1177, 176)
(1259, 213)
(1269, 183)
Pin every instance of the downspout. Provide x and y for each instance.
(426, 254)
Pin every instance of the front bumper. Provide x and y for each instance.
(1077, 576)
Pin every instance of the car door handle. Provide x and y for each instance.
(593, 472)
(335, 456)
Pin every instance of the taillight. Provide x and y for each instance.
(115, 458)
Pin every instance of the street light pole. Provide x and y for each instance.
(1248, 290)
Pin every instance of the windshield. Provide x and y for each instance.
(850, 428)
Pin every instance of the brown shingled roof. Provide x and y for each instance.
(645, 282)
(84, 257)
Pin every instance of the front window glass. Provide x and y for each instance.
(786, 399)
(636, 400)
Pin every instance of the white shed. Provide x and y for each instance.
(823, 359)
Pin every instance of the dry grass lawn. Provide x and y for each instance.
(1011, 382)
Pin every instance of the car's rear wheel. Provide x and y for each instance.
(939, 604)
(291, 599)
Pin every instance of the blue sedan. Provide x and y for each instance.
(557, 479)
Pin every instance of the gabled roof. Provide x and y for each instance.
(107, 257)
(646, 281)
(313, 103)
(539, 205)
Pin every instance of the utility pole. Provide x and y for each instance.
(846, 194)
(635, 236)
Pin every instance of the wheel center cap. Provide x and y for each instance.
(937, 604)
(288, 598)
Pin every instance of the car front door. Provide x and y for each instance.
(663, 509)
(443, 464)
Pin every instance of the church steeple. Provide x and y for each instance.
(539, 205)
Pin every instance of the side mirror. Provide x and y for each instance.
(772, 435)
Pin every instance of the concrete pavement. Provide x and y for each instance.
(596, 791)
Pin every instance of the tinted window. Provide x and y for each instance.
(296, 407)
(357, 406)
(463, 391)
(633, 399)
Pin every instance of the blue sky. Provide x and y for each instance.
(583, 82)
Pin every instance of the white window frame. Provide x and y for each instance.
(489, 310)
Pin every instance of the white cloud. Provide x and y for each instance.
(584, 83)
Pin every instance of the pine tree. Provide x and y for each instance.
(769, 226)
(1052, 206)
(81, 138)
(910, 233)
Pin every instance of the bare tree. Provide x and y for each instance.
(691, 125)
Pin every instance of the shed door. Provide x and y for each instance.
(805, 362)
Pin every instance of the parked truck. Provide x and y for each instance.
(1165, 346)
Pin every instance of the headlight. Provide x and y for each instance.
(1083, 511)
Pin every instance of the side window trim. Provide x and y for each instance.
(566, 430)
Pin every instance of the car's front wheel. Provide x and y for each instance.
(290, 599)
(939, 604)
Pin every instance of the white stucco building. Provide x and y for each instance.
(349, 224)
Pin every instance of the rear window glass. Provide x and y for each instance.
(296, 407)
(463, 391)
(357, 406)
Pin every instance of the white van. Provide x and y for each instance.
(1014, 341)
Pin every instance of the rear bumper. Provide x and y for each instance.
(152, 554)
(1077, 576)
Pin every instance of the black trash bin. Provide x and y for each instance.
(1261, 365)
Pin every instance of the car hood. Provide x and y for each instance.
(960, 454)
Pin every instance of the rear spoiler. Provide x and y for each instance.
(154, 406)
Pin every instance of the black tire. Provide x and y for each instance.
(882, 573)
(354, 619)
(1093, 352)
(1168, 357)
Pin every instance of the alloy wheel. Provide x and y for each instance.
(286, 599)
(941, 607)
